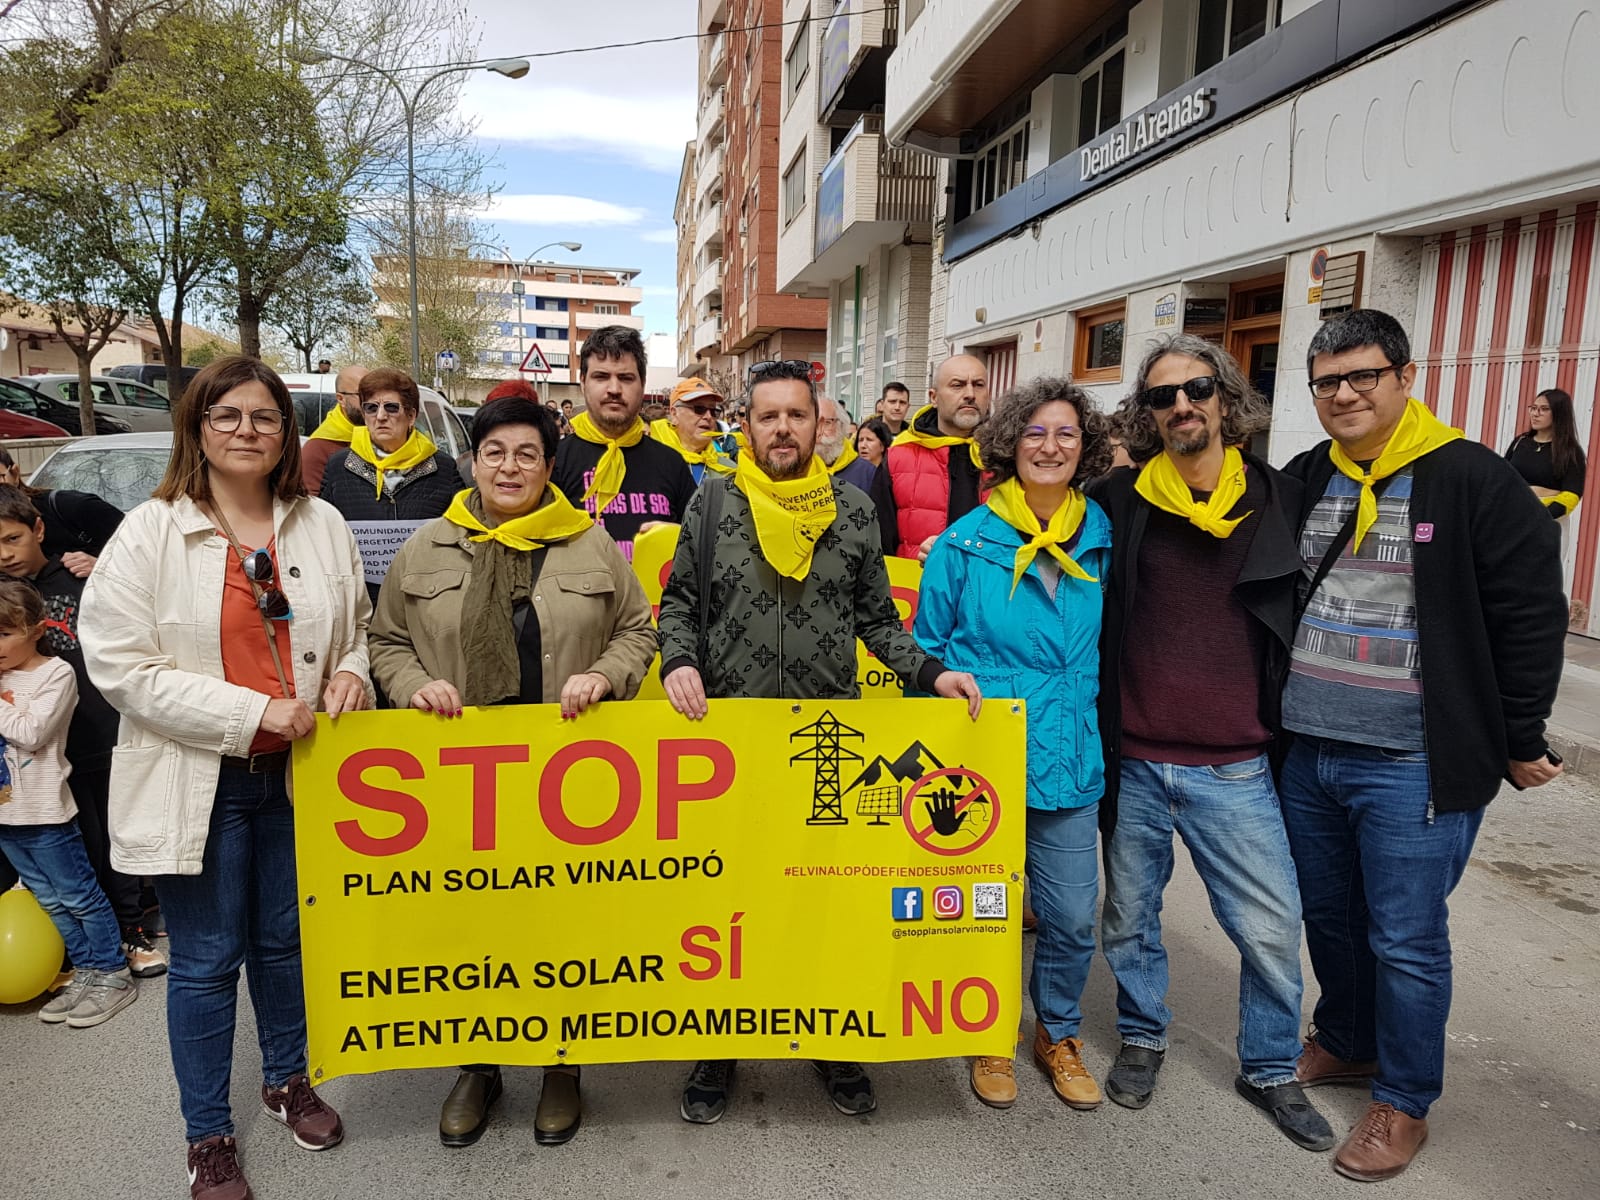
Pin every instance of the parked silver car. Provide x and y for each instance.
(122, 469)
(142, 408)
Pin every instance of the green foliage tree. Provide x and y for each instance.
(323, 302)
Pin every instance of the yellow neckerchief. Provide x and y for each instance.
(336, 426)
(553, 521)
(608, 472)
(846, 457)
(1419, 433)
(912, 436)
(665, 432)
(790, 514)
(1161, 484)
(1010, 503)
(414, 451)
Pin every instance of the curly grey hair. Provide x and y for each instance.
(1244, 410)
(1013, 412)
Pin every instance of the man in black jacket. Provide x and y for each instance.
(1199, 619)
(1424, 666)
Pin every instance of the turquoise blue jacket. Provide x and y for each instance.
(1043, 650)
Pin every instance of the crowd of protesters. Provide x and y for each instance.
(1334, 781)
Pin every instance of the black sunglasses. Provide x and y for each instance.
(274, 605)
(390, 407)
(1199, 389)
(786, 368)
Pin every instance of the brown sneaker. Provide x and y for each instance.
(994, 1081)
(214, 1172)
(1382, 1144)
(315, 1126)
(1063, 1061)
(1317, 1066)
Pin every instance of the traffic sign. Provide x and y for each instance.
(818, 372)
(447, 360)
(534, 362)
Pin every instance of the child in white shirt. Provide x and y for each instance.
(38, 818)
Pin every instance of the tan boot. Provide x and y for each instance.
(1063, 1061)
(994, 1082)
(1317, 1066)
(1382, 1144)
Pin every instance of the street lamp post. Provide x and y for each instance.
(511, 68)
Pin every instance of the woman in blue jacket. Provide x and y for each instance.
(1012, 593)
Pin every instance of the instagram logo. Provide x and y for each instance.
(947, 903)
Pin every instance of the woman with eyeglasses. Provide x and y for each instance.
(514, 596)
(392, 470)
(1549, 457)
(223, 613)
(1012, 593)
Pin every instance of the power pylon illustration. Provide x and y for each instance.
(827, 752)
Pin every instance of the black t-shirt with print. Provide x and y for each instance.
(656, 486)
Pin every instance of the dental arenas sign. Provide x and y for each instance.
(1145, 131)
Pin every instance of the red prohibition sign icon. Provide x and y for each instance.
(979, 789)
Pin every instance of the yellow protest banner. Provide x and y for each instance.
(832, 880)
(652, 562)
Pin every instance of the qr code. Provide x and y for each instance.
(989, 900)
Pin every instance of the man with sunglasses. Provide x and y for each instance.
(1199, 619)
(1425, 665)
(336, 430)
(691, 428)
(628, 482)
(929, 476)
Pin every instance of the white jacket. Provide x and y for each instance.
(150, 626)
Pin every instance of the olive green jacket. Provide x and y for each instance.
(592, 611)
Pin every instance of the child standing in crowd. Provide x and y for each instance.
(38, 829)
(93, 732)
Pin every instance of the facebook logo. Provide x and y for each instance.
(908, 904)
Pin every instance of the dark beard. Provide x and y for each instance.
(1197, 444)
(800, 467)
(613, 430)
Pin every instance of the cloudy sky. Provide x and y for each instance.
(586, 148)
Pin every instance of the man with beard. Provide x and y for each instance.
(893, 406)
(627, 481)
(1200, 608)
(796, 575)
(336, 430)
(837, 449)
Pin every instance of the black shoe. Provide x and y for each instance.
(1294, 1115)
(1133, 1075)
(848, 1087)
(465, 1114)
(705, 1096)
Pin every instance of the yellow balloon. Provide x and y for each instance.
(30, 948)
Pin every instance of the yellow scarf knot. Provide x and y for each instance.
(555, 520)
(416, 450)
(912, 436)
(665, 432)
(1419, 433)
(608, 472)
(1160, 484)
(790, 514)
(1009, 502)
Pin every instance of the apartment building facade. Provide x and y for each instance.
(1244, 168)
(740, 314)
(685, 217)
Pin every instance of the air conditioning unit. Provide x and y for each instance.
(743, 227)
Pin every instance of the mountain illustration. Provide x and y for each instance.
(915, 761)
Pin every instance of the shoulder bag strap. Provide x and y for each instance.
(255, 589)
(1336, 547)
(710, 514)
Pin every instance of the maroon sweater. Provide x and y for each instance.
(1192, 659)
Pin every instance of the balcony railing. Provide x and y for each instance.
(869, 180)
(709, 282)
(717, 59)
(708, 172)
(708, 335)
(711, 120)
(857, 29)
(708, 228)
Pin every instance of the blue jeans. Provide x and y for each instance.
(1375, 872)
(1228, 817)
(1064, 876)
(240, 910)
(52, 861)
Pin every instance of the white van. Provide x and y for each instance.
(314, 397)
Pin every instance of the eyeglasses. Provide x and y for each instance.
(701, 410)
(339, 393)
(1326, 387)
(274, 605)
(224, 418)
(525, 459)
(787, 368)
(390, 408)
(1199, 389)
(1035, 436)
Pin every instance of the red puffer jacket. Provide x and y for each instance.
(920, 478)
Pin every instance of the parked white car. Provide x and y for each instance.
(142, 408)
(121, 468)
(314, 397)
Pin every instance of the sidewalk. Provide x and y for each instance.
(1574, 729)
